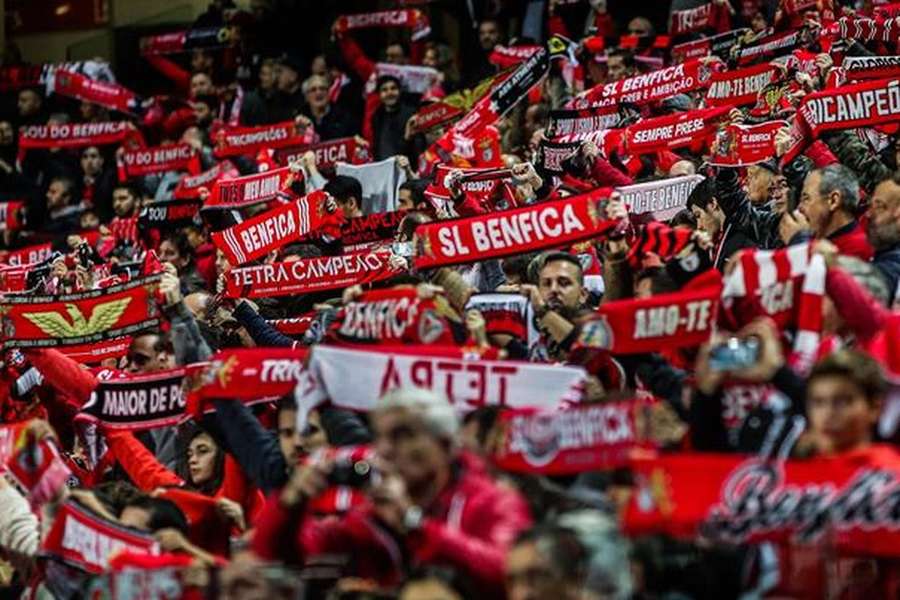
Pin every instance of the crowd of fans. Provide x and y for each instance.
(391, 281)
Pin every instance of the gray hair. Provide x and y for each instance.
(867, 276)
(434, 409)
(840, 179)
(307, 83)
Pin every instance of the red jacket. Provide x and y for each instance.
(851, 239)
(470, 526)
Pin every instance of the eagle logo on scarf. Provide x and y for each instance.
(103, 317)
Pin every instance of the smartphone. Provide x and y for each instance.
(734, 354)
(404, 249)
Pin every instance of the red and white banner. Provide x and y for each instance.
(769, 47)
(691, 20)
(328, 154)
(739, 87)
(743, 145)
(848, 107)
(308, 275)
(76, 135)
(239, 141)
(355, 378)
(271, 230)
(656, 85)
(370, 229)
(82, 318)
(413, 19)
(663, 198)
(85, 541)
(171, 157)
(249, 374)
(509, 56)
(690, 128)
(845, 500)
(719, 45)
(495, 235)
(871, 67)
(582, 121)
(567, 442)
(414, 78)
(110, 95)
(241, 192)
(681, 319)
(189, 186)
(26, 256)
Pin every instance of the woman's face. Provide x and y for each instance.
(430, 59)
(201, 457)
(778, 194)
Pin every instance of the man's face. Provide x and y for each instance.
(313, 435)
(402, 439)
(814, 206)
(529, 576)
(779, 194)
(123, 202)
(318, 66)
(840, 416)
(488, 35)
(29, 103)
(57, 195)
(267, 77)
(639, 26)
(144, 358)
(758, 180)
(168, 252)
(201, 84)
(706, 220)
(394, 54)
(616, 69)
(559, 286)
(287, 79)
(350, 206)
(389, 92)
(7, 134)
(405, 200)
(883, 228)
(202, 113)
(288, 440)
(201, 61)
(91, 161)
(317, 93)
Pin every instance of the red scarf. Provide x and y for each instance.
(328, 154)
(480, 185)
(110, 95)
(777, 44)
(509, 56)
(27, 256)
(247, 374)
(392, 316)
(38, 468)
(705, 16)
(76, 135)
(189, 185)
(844, 499)
(743, 145)
(719, 45)
(137, 402)
(682, 319)
(185, 40)
(871, 67)
(168, 214)
(87, 542)
(570, 441)
(370, 228)
(86, 317)
(506, 233)
(144, 161)
(655, 85)
(308, 276)
(294, 326)
(273, 229)
(410, 18)
(739, 87)
(505, 96)
(581, 121)
(692, 128)
(98, 351)
(867, 30)
(851, 106)
(257, 188)
(240, 141)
